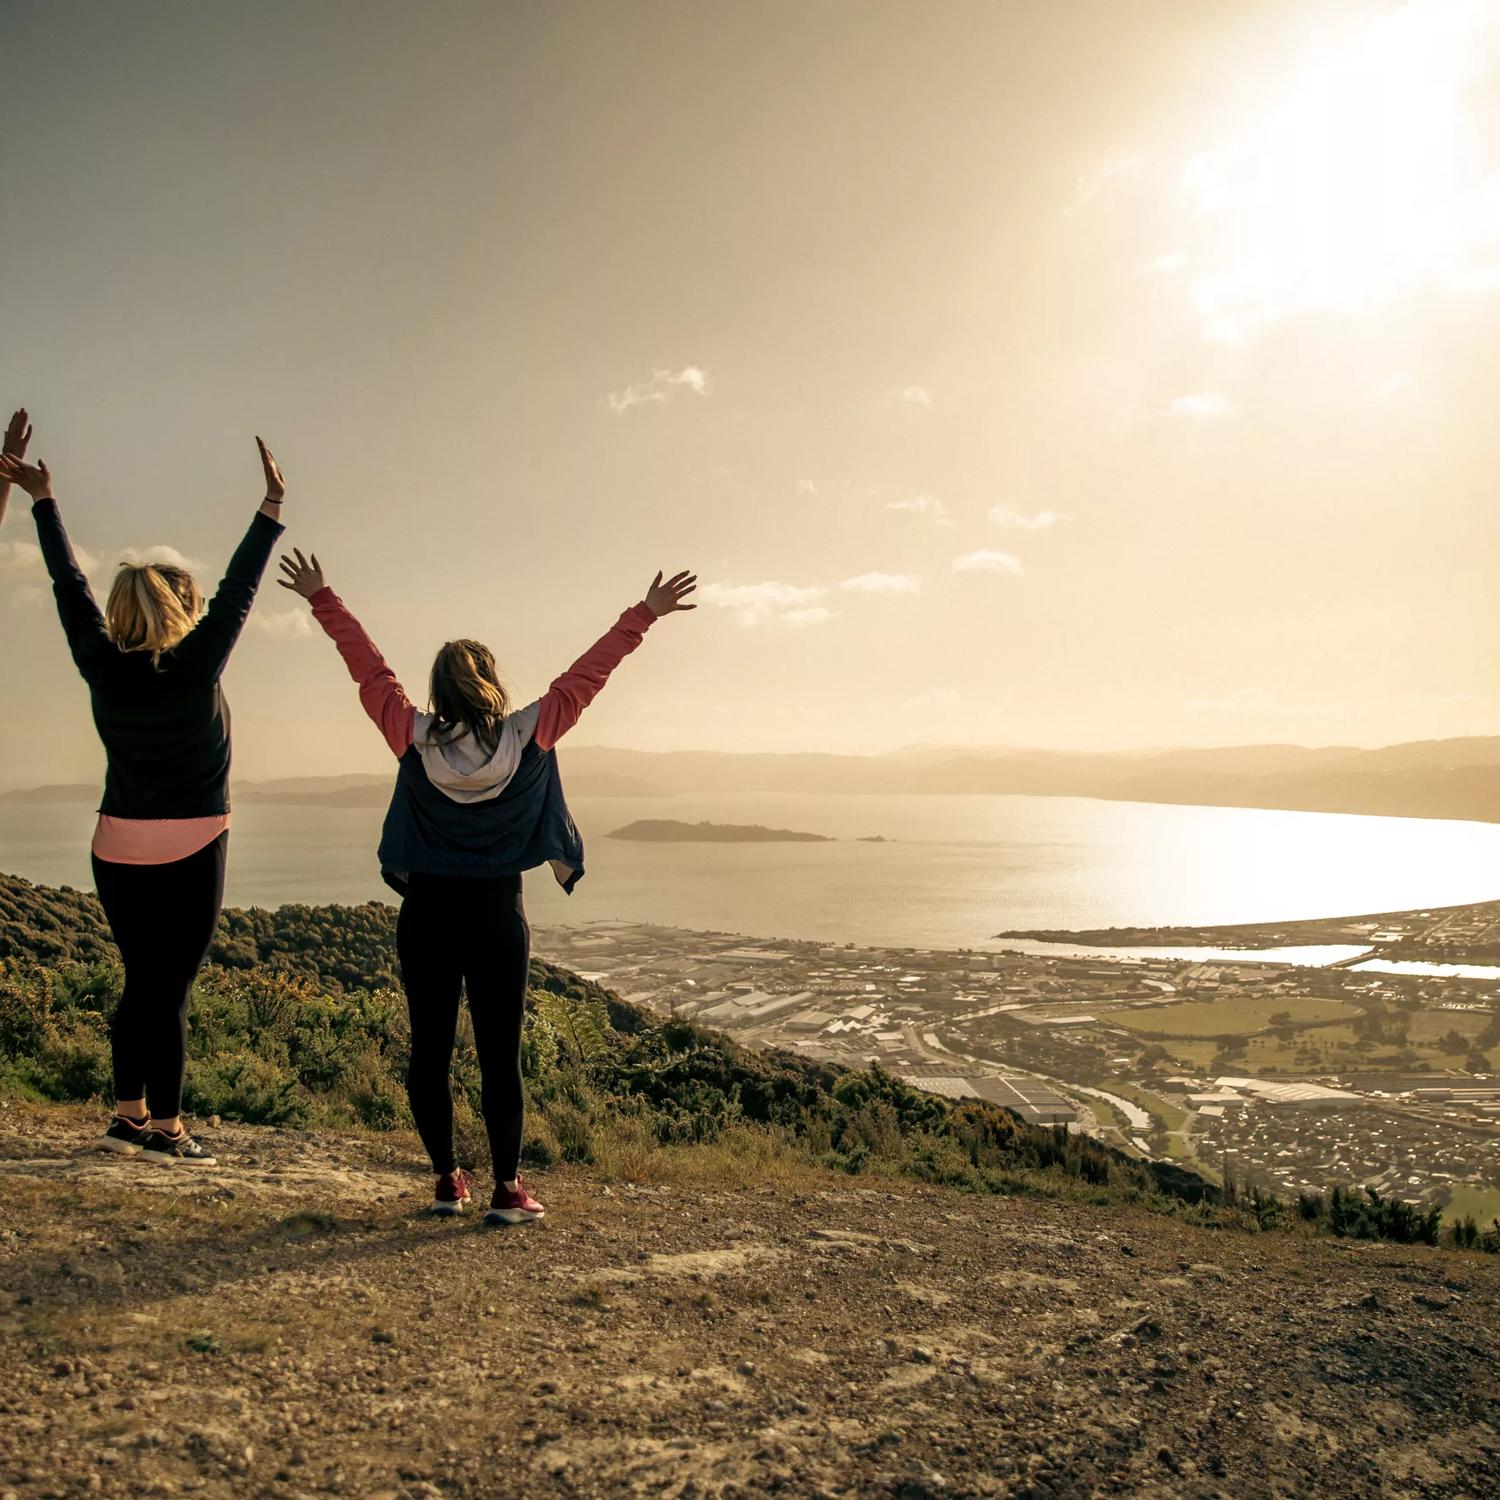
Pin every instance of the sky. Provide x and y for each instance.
(1083, 375)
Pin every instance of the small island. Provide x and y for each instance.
(668, 831)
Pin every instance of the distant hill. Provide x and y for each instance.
(73, 791)
(1429, 779)
(668, 831)
(1455, 778)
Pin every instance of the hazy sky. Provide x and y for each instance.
(1082, 374)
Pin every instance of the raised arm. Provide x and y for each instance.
(382, 697)
(81, 621)
(214, 637)
(571, 693)
(17, 436)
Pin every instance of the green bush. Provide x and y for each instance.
(298, 1020)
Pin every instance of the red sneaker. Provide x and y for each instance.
(451, 1193)
(517, 1207)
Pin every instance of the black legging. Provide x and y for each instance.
(455, 931)
(163, 918)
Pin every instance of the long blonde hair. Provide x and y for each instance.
(465, 693)
(152, 607)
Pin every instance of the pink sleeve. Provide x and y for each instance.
(571, 693)
(384, 698)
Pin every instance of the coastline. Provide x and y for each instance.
(1461, 934)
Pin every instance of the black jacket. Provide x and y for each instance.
(165, 728)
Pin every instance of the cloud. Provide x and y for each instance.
(915, 395)
(22, 569)
(169, 556)
(1201, 406)
(1007, 516)
(282, 624)
(1168, 265)
(21, 561)
(923, 505)
(662, 385)
(806, 487)
(987, 561)
(882, 583)
(769, 603)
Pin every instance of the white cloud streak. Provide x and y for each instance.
(159, 553)
(1015, 520)
(769, 603)
(282, 624)
(923, 505)
(915, 395)
(662, 385)
(882, 583)
(21, 561)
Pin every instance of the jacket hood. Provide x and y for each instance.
(461, 768)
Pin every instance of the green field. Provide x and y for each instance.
(1237, 1017)
(1471, 1198)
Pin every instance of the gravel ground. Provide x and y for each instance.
(294, 1325)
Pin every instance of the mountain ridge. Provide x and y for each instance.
(1449, 778)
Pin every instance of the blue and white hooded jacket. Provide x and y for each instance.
(459, 808)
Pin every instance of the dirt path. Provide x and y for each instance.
(294, 1327)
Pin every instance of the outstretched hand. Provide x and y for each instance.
(17, 436)
(302, 577)
(666, 598)
(35, 479)
(275, 484)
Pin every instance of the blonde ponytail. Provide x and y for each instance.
(465, 693)
(152, 607)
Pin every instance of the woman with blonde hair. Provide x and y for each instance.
(152, 661)
(477, 802)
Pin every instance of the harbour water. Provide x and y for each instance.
(952, 870)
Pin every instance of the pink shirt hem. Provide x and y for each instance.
(154, 841)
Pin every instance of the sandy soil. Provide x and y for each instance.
(293, 1325)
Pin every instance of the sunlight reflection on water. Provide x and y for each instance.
(955, 869)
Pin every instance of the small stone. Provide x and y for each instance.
(383, 1336)
(213, 1122)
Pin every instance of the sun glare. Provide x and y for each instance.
(1369, 177)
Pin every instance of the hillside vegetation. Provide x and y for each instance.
(298, 1021)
